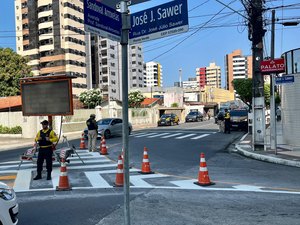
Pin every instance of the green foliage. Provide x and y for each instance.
(13, 130)
(243, 88)
(267, 94)
(175, 104)
(135, 98)
(12, 68)
(91, 98)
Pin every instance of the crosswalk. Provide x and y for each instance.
(175, 135)
(99, 172)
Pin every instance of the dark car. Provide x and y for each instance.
(219, 116)
(109, 127)
(194, 116)
(239, 119)
(168, 120)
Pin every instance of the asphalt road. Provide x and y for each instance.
(246, 191)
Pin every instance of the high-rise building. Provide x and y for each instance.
(51, 33)
(201, 77)
(154, 75)
(213, 75)
(237, 67)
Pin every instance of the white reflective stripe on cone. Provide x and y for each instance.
(145, 160)
(202, 160)
(119, 171)
(145, 153)
(63, 174)
(119, 162)
(203, 169)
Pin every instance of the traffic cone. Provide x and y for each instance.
(63, 184)
(103, 149)
(146, 164)
(120, 173)
(203, 178)
(82, 143)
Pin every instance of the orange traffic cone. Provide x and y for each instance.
(146, 164)
(120, 173)
(63, 184)
(82, 143)
(103, 149)
(203, 178)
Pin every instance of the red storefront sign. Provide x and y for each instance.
(273, 65)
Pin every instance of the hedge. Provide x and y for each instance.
(13, 130)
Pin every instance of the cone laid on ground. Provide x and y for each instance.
(63, 184)
(146, 164)
(103, 148)
(120, 173)
(203, 178)
(82, 143)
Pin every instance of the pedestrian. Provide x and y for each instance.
(278, 114)
(227, 121)
(208, 114)
(92, 132)
(45, 137)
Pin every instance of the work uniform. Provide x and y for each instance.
(227, 122)
(48, 137)
(92, 133)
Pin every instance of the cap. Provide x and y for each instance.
(93, 115)
(45, 122)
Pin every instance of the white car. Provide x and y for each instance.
(9, 207)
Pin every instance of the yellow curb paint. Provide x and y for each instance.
(10, 177)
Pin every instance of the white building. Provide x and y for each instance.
(154, 75)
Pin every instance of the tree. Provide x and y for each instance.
(243, 88)
(135, 98)
(90, 98)
(12, 68)
(175, 104)
(267, 94)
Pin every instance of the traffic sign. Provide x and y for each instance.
(102, 20)
(160, 21)
(285, 80)
(273, 65)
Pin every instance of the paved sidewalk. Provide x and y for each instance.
(284, 156)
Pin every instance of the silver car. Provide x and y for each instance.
(109, 127)
(9, 207)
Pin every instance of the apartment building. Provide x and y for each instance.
(51, 33)
(201, 77)
(213, 75)
(237, 67)
(154, 75)
(105, 68)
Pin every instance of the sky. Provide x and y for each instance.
(214, 31)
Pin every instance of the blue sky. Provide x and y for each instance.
(224, 31)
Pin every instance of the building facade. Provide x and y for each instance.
(51, 34)
(237, 67)
(213, 75)
(154, 75)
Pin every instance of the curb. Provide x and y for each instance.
(264, 158)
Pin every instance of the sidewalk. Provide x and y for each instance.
(284, 156)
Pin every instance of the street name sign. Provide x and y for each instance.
(272, 66)
(285, 80)
(113, 3)
(102, 20)
(161, 21)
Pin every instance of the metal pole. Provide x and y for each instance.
(273, 135)
(124, 43)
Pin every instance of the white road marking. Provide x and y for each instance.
(22, 181)
(137, 180)
(97, 180)
(157, 135)
(185, 136)
(144, 135)
(201, 136)
(172, 135)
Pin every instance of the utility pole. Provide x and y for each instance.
(256, 33)
(273, 135)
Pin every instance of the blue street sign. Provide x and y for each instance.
(102, 20)
(160, 21)
(284, 80)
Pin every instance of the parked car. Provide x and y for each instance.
(168, 120)
(109, 127)
(239, 119)
(194, 116)
(9, 207)
(219, 116)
